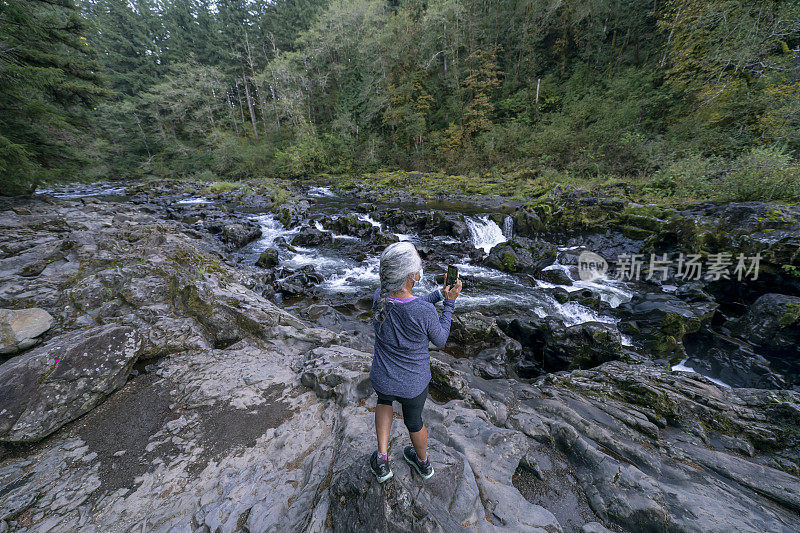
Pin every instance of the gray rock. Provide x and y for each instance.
(522, 255)
(311, 237)
(268, 258)
(594, 527)
(477, 336)
(58, 382)
(20, 328)
(773, 321)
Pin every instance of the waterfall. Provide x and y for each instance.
(484, 232)
(508, 227)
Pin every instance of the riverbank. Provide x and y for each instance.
(243, 389)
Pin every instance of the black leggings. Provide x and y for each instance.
(412, 408)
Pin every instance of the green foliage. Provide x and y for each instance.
(48, 80)
(682, 99)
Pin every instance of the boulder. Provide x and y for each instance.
(20, 328)
(773, 322)
(660, 321)
(521, 255)
(234, 232)
(551, 346)
(311, 237)
(56, 383)
(556, 276)
(474, 335)
(301, 282)
(268, 258)
(350, 225)
(731, 361)
(583, 345)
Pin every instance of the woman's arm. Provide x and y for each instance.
(439, 327)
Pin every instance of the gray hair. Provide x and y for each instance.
(398, 261)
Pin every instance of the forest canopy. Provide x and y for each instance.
(684, 98)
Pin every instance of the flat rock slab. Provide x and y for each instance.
(19, 328)
(44, 389)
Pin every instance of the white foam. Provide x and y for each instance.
(574, 313)
(508, 227)
(352, 279)
(367, 218)
(271, 229)
(192, 201)
(484, 232)
(320, 192)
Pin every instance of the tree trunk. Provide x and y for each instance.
(144, 137)
(250, 105)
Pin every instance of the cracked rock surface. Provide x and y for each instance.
(183, 401)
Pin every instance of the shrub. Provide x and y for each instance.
(766, 174)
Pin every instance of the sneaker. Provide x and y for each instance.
(380, 468)
(424, 469)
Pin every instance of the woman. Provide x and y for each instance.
(401, 371)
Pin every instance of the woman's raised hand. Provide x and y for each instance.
(451, 292)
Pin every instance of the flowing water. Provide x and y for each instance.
(349, 265)
(485, 289)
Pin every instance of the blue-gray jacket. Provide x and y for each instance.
(401, 364)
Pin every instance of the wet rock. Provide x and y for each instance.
(773, 321)
(234, 232)
(301, 282)
(527, 223)
(293, 211)
(521, 255)
(20, 328)
(477, 336)
(550, 345)
(556, 276)
(660, 321)
(268, 258)
(58, 382)
(583, 345)
(350, 225)
(311, 237)
(730, 360)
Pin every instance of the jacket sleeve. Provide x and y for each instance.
(433, 297)
(439, 327)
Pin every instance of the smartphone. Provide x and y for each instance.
(452, 275)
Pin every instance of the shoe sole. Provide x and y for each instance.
(381, 479)
(412, 463)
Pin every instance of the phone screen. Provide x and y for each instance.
(452, 275)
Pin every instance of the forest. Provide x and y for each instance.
(682, 99)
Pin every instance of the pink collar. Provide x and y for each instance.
(401, 300)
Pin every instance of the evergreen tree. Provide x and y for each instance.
(48, 80)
